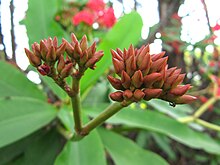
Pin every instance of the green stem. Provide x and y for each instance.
(186, 119)
(204, 107)
(208, 125)
(107, 113)
(77, 112)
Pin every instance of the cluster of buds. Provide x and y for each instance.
(67, 59)
(145, 76)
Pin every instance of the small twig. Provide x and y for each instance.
(12, 31)
(208, 125)
(207, 15)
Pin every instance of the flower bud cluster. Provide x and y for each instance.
(48, 56)
(145, 76)
(67, 59)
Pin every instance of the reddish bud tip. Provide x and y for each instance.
(127, 94)
(117, 96)
(125, 79)
(33, 59)
(152, 93)
(185, 99)
(116, 83)
(137, 79)
(67, 70)
(138, 95)
(43, 69)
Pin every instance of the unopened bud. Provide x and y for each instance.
(137, 79)
(117, 96)
(91, 62)
(125, 79)
(158, 56)
(60, 64)
(51, 55)
(83, 43)
(73, 38)
(151, 78)
(67, 70)
(127, 94)
(61, 49)
(180, 90)
(43, 49)
(43, 69)
(116, 83)
(185, 99)
(138, 95)
(34, 60)
(116, 55)
(118, 65)
(151, 93)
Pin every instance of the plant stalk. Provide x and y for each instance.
(102, 117)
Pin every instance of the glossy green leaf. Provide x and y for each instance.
(89, 150)
(124, 33)
(154, 121)
(124, 151)
(40, 21)
(175, 112)
(14, 83)
(22, 116)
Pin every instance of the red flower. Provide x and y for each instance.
(216, 27)
(83, 16)
(96, 5)
(107, 18)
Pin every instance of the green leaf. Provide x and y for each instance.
(50, 143)
(124, 33)
(89, 150)
(154, 121)
(175, 112)
(124, 151)
(40, 21)
(15, 83)
(22, 116)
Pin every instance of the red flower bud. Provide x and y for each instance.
(151, 78)
(117, 96)
(73, 38)
(66, 71)
(60, 64)
(180, 90)
(116, 83)
(138, 95)
(43, 49)
(83, 43)
(185, 99)
(44, 69)
(91, 62)
(116, 55)
(33, 59)
(137, 79)
(151, 93)
(118, 65)
(51, 55)
(61, 49)
(159, 64)
(125, 80)
(158, 56)
(127, 94)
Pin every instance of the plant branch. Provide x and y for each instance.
(204, 107)
(102, 117)
(208, 125)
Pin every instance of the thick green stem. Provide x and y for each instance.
(102, 117)
(77, 112)
(76, 104)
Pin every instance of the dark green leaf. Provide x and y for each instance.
(22, 116)
(124, 151)
(15, 83)
(89, 150)
(124, 33)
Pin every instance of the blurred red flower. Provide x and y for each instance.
(216, 27)
(107, 18)
(83, 16)
(96, 5)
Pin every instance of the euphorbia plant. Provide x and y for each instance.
(141, 76)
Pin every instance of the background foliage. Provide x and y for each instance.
(35, 119)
